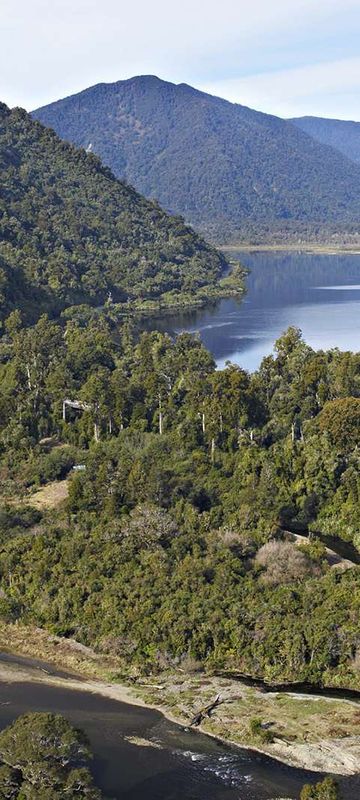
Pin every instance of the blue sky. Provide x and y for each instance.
(283, 57)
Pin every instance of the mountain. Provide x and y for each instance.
(234, 173)
(341, 134)
(70, 232)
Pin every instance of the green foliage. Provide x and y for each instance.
(235, 173)
(70, 233)
(169, 547)
(324, 790)
(260, 732)
(43, 758)
(341, 420)
(314, 549)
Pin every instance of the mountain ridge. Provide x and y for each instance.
(342, 135)
(234, 173)
(70, 232)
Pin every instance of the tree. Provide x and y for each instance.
(148, 526)
(284, 562)
(13, 323)
(340, 419)
(36, 351)
(44, 758)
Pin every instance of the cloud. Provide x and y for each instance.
(50, 49)
(327, 89)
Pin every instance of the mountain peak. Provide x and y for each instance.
(233, 172)
(144, 80)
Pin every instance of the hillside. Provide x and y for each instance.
(170, 549)
(71, 233)
(234, 173)
(341, 134)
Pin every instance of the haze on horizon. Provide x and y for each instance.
(286, 58)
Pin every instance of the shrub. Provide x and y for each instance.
(283, 562)
(324, 790)
(258, 731)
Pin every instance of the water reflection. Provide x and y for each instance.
(318, 293)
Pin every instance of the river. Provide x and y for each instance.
(167, 762)
(318, 293)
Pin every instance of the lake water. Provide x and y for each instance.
(318, 293)
(170, 764)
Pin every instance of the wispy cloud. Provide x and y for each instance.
(326, 89)
(257, 52)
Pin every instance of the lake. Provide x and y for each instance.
(318, 293)
(167, 763)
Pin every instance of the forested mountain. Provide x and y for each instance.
(235, 173)
(71, 233)
(171, 545)
(343, 135)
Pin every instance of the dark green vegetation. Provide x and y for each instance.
(71, 233)
(260, 733)
(324, 790)
(171, 545)
(43, 758)
(342, 135)
(234, 173)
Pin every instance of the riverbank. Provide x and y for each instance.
(321, 249)
(309, 731)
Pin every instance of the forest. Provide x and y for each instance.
(236, 174)
(186, 485)
(70, 233)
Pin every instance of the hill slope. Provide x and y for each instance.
(70, 232)
(341, 134)
(233, 172)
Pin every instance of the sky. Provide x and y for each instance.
(286, 57)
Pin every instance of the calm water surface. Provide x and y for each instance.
(170, 764)
(318, 293)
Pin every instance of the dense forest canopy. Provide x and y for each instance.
(234, 173)
(183, 481)
(71, 233)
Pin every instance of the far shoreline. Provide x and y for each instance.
(321, 249)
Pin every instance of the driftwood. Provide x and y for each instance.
(205, 712)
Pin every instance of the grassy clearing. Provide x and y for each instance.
(289, 717)
(49, 496)
(65, 654)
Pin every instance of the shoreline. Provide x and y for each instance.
(88, 672)
(321, 249)
(124, 694)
